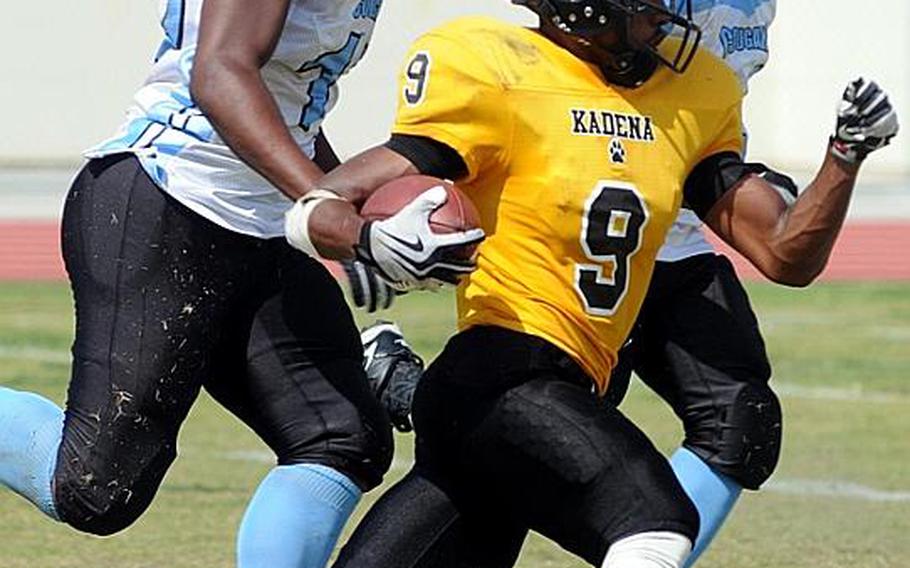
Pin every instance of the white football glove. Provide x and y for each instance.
(866, 121)
(408, 254)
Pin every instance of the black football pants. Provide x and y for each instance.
(166, 303)
(510, 437)
(698, 345)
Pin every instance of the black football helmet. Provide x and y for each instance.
(633, 62)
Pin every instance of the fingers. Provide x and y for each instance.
(868, 100)
(451, 270)
(447, 275)
(356, 283)
(368, 290)
(460, 239)
(385, 296)
(428, 201)
(866, 121)
(880, 113)
(853, 88)
(865, 92)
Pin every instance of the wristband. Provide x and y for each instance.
(297, 219)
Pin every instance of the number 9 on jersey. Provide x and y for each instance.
(614, 219)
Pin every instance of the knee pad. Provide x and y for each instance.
(371, 457)
(364, 456)
(100, 504)
(748, 447)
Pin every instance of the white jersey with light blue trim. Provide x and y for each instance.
(737, 32)
(175, 142)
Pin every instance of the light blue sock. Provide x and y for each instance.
(31, 428)
(295, 517)
(713, 493)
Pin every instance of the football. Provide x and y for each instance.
(456, 214)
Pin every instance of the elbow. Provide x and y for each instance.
(795, 274)
(792, 280)
(204, 83)
(211, 78)
(792, 264)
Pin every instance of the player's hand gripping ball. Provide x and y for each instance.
(421, 231)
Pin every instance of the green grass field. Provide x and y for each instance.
(840, 498)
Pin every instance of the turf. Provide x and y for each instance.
(840, 498)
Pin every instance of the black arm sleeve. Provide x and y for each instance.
(431, 157)
(325, 156)
(718, 174)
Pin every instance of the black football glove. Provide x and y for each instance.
(407, 254)
(866, 121)
(368, 290)
(393, 370)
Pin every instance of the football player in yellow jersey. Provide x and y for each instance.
(577, 141)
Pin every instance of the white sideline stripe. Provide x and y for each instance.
(802, 487)
(852, 394)
(34, 354)
(832, 488)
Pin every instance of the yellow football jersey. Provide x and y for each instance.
(576, 181)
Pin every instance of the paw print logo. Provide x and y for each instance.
(617, 151)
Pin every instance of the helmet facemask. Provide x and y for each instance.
(610, 26)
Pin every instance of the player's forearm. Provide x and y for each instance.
(359, 176)
(235, 100)
(791, 245)
(334, 227)
(808, 230)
